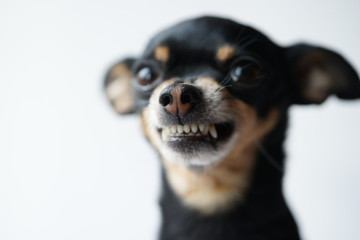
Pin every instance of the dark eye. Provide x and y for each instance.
(246, 72)
(146, 76)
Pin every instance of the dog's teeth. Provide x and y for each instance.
(167, 130)
(201, 127)
(212, 131)
(204, 128)
(186, 128)
(194, 128)
(191, 130)
(180, 128)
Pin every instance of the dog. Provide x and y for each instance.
(213, 98)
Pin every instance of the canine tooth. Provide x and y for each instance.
(194, 128)
(212, 131)
(180, 129)
(173, 129)
(186, 128)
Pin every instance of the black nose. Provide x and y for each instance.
(180, 98)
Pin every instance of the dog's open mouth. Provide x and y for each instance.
(195, 137)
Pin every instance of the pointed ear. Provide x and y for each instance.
(117, 86)
(318, 73)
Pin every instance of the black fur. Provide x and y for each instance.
(264, 214)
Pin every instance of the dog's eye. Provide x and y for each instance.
(246, 72)
(145, 76)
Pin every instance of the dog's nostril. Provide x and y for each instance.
(190, 95)
(186, 98)
(165, 99)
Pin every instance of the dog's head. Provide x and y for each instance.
(208, 87)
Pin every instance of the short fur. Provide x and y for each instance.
(213, 98)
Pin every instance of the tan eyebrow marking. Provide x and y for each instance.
(162, 53)
(225, 52)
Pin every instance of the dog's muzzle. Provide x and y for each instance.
(186, 126)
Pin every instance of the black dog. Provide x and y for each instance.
(213, 98)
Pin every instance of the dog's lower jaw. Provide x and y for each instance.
(197, 155)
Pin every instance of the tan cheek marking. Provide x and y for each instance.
(225, 52)
(162, 53)
(220, 187)
(118, 90)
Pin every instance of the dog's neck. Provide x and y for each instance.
(262, 210)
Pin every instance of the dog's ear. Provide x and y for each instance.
(118, 88)
(318, 73)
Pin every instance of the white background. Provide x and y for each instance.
(72, 169)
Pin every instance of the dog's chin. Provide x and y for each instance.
(196, 145)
